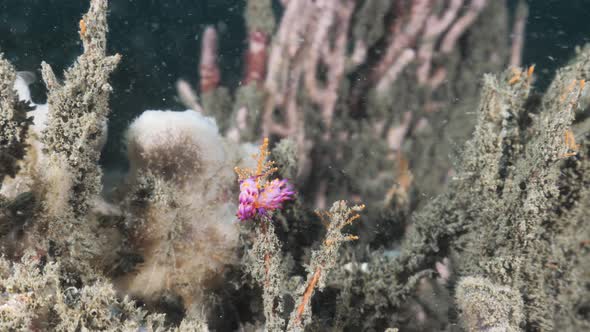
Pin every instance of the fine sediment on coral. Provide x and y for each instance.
(72, 140)
(473, 222)
(14, 122)
(506, 214)
(488, 307)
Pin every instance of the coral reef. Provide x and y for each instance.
(14, 122)
(36, 300)
(373, 87)
(473, 222)
(72, 140)
(504, 221)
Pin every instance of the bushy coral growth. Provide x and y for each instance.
(507, 219)
(13, 122)
(504, 247)
(488, 307)
(35, 299)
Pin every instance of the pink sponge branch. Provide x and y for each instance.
(461, 25)
(208, 68)
(256, 57)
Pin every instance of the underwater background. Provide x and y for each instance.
(160, 42)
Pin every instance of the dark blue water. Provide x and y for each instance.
(159, 41)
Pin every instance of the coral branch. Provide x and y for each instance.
(208, 68)
(391, 75)
(435, 26)
(73, 139)
(256, 57)
(307, 294)
(461, 25)
(518, 32)
(13, 122)
(265, 252)
(324, 259)
(402, 36)
(188, 96)
(78, 141)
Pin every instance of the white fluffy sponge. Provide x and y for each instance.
(176, 146)
(187, 233)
